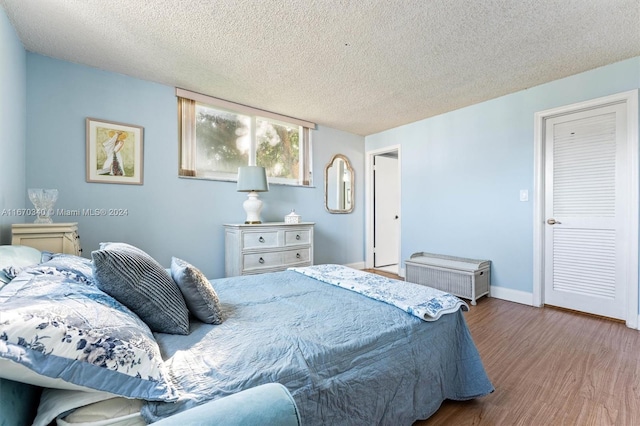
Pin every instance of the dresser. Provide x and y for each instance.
(53, 237)
(266, 247)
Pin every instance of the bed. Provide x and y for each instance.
(352, 348)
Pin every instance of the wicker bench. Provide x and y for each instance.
(466, 278)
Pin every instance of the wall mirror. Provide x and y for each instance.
(339, 181)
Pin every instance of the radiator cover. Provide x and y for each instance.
(462, 277)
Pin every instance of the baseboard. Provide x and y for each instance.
(526, 298)
(511, 295)
(517, 296)
(358, 265)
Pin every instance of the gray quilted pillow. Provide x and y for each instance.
(198, 292)
(136, 280)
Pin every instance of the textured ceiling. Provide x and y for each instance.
(362, 66)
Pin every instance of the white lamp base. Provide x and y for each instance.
(253, 207)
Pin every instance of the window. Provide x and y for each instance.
(217, 136)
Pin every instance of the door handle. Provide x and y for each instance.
(552, 221)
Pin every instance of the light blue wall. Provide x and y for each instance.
(12, 126)
(462, 173)
(167, 216)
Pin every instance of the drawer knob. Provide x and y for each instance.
(297, 236)
(298, 256)
(261, 239)
(261, 260)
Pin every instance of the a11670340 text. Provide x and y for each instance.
(66, 212)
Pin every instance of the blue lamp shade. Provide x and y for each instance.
(252, 179)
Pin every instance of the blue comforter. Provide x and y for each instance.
(347, 359)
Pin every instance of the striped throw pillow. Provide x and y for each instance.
(136, 280)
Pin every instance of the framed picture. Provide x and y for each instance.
(114, 152)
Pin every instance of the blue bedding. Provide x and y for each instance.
(347, 359)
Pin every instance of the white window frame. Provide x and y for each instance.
(187, 165)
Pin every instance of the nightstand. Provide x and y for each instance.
(266, 247)
(53, 237)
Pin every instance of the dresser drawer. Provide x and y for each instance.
(297, 237)
(267, 247)
(260, 239)
(290, 257)
(262, 260)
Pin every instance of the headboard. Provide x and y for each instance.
(18, 403)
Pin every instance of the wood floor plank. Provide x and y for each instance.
(549, 367)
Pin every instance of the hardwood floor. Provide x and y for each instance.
(549, 367)
(384, 273)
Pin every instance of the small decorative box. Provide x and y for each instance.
(292, 217)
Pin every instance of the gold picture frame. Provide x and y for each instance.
(114, 152)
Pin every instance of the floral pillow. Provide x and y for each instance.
(79, 268)
(75, 267)
(61, 328)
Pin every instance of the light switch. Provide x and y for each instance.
(524, 195)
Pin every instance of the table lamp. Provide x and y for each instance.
(252, 179)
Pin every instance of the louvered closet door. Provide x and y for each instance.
(584, 203)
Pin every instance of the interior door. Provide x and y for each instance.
(386, 183)
(585, 204)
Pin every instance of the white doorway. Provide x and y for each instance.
(586, 213)
(383, 210)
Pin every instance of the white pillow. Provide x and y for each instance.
(113, 412)
(17, 256)
(57, 402)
